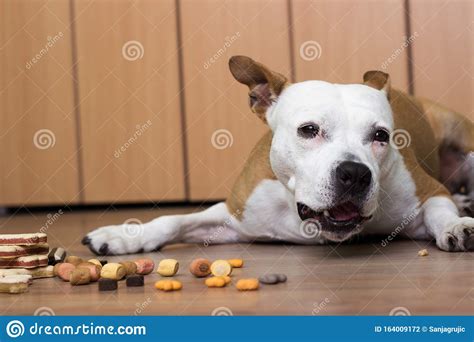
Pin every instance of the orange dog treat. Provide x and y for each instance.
(144, 266)
(168, 285)
(221, 268)
(236, 263)
(200, 267)
(247, 284)
(64, 270)
(80, 276)
(217, 281)
(113, 271)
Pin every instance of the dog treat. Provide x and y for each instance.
(247, 284)
(23, 239)
(135, 280)
(236, 263)
(145, 266)
(93, 269)
(168, 267)
(113, 271)
(130, 267)
(168, 285)
(200, 267)
(221, 268)
(64, 270)
(95, 262)
(107, 284)
(11, 252)
(56, 255)
(39, 272)
(80, 276)
(75, 260)
(14, 284)
(29, 261)
(217, 281)
(55, 268)
(423, 252)
(271, 279)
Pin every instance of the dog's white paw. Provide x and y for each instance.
(128, 238)
(458, 236)
(464, 204)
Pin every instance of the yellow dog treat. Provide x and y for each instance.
(168, 267)
(168, 285)
(95, 262)
(236, 263)
(221, 268)
(423, 252)
(113, 271)
(217, 281)
(247, 284)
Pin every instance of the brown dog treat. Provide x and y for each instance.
(113, 271)
(14, 284)
(56, 255)
(72, 259)
(22, 239)
(145, 266)
(94, 270)
(55, 269)
(80, 276)
(11, 252)
(130, 267)
(107, 284)
(29, 261)
(200, 267)
(64, 270)
(135, 280)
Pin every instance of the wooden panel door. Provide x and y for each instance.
(338, 41)
(38, 147)
(221, 129)
(443, 56)
(129, 100)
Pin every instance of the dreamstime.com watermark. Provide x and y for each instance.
(133, 50)
(220, 229)
(222, 139)
(405, 222)
(51, 41)
(310, 50)
(397, 52)
(228, 41)
(44, 138)
(140, 130)
(318, 307)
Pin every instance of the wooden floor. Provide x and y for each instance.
(360, 279)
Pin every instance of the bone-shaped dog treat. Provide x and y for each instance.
(22, 239)
(29, 261)
(38, 272)
(11, 252)
(15, 284)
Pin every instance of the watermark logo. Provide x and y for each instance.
(400, 138)
(310, 50)
(228, 41)
(310, 228)
(222, 311)
(44, 139)
(132, 228)
(133, 50)
(222, 139)
(15, 329)
(45, 49)
(400, 311)
(44, 311)
(140, 129)
(318, 307)
(397, 52)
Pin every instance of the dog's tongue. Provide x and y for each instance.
(344, 212)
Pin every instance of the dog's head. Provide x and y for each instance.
(330, 142)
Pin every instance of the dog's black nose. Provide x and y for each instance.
(353, 178)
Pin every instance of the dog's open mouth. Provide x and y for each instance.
(345, 216)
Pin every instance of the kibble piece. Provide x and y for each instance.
(281, 278)
(135, 280)
(145, 266)
(221, 268)
(200, 267)
(236, 263)
(113, 271)
(168, 285)
(72, 259)
(94, 270)
(64, 270)
(130, 267)
(269, 279)
(168, 267)
(247, 284)
(423, 252)
(80, 276)
(107, 284)
(95, 262)
(217, 281)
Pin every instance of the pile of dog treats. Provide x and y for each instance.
(23, 257)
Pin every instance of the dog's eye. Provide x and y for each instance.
(381, 136)
(308, 131)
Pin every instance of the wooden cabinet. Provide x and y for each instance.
(221, 130)
(129, 99)
(443, 62)
(338, 41)
(38, 146)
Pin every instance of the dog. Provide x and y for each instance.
(331, 167)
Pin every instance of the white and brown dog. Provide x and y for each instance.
(332, 162)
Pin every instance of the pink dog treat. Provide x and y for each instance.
(64, 270)
(145, 266)
(29, 261)
(22, 239)
(11, 252)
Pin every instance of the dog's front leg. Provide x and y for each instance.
(442, 221)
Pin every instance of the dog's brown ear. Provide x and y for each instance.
(378, 80)
(265, 85)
